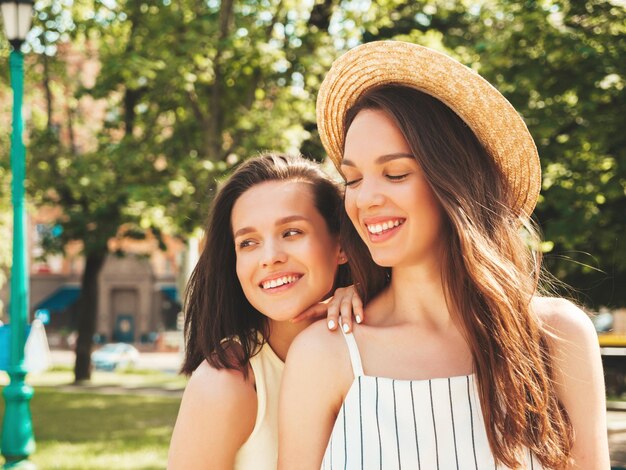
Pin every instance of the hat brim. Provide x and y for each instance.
(494, 121)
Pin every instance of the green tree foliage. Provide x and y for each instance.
(562, 65)
(184, 91)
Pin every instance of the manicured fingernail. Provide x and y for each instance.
(346, 327)
(331, 324)
(358, 318)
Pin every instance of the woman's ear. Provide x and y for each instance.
(343, 259)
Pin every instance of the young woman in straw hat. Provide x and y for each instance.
(460, 362)
(272, 250)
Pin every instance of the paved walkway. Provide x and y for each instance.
(161, 361)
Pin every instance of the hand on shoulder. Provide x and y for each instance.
(217, 415)
(339, 309)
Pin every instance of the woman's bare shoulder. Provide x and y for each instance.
(322, 353)
(214, 394)
(317, 342)
(578, 377)
(210, 382)
(564, 318)
(222, 400)
(572, 338)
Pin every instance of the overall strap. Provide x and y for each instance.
(355, 357)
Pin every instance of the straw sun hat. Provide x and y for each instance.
(491, 117)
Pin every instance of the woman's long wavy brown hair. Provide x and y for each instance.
(215, 305)
(490, 275)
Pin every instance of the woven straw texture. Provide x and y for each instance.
(492, 118)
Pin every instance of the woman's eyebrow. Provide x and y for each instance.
(282, 221)
(243, 231)
(291, 218)
(381, 159)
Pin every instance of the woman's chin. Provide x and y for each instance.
(385, 261)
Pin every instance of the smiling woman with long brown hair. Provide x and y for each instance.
(460, 363)
(271, 252)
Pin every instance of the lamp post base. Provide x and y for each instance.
(18, 441)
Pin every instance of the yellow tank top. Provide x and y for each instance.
(260, 451)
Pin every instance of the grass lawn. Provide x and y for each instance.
(91, 431)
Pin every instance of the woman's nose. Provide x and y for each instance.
(273, 253)
(369, 194)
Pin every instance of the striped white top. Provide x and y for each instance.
(412, 424)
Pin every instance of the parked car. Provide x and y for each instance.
(603, 321)
(115, 355)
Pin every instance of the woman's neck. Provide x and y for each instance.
(282, 334)
(416, 295)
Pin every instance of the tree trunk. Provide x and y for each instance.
(88, 304)
(213, 135)
(46, 86)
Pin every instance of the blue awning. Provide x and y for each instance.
(171, 293)
(5, 348)
(60, 299)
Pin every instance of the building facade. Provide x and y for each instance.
(138, 287)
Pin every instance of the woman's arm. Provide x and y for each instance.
(316, 377)
(579, 379)
(217, 415)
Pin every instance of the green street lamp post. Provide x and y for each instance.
(18, 441)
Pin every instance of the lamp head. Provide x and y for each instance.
(17, 16)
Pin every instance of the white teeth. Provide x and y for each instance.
(378, 228)
(281, 281)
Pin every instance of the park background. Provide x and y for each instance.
(135, 110)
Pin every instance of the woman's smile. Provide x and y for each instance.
(280, 282)
(381, 229)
